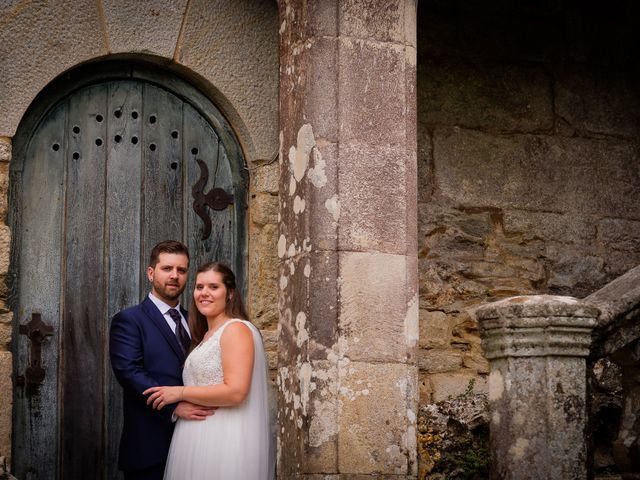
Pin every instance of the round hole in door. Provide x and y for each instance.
(152, 119)
(152, 147)
(98, 141)
(117, 113)
(75, 155)
(99, 118)
(55, 147)
(117, 138)
(134, 115)
(194, 151)
(134, 140)
(76, 129)
(174, 134)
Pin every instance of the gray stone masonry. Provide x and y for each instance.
(537, 347)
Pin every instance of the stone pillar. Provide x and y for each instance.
(348, 303)
(537, 347)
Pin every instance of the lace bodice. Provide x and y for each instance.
(204, 364)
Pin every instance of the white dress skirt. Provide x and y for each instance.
(236, 443)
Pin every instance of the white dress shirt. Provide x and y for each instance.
(164, 310)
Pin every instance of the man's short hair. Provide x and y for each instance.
(167, 246)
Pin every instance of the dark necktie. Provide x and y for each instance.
(181, 333)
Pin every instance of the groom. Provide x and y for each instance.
(148, 344)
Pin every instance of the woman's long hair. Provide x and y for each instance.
(234, 307)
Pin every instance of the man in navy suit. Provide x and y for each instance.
(148, 345)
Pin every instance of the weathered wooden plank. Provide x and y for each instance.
(162, 184)
(41, 191)
(83, 337)
(122, 223)
(220, 244)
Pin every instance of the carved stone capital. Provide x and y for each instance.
(537, 325)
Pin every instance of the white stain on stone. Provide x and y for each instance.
(333, 206)
(496, 385)
(323, 426)
(306, 244)
(280, 147)
(518, 418)
(292, 186)
(291, 251)
(299, 155)
(284, 281)
(316, 175)
(282, 246)
(518, 449)
(305, 385)
(411, 416)
(298, 205)
(307, 270)
(292, 268)
(495, 418)
(303, 334)
(411, 325)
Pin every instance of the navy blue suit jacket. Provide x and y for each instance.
(144, 353)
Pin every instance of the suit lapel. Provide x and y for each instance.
(158, 320)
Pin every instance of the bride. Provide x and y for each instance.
(226, 368)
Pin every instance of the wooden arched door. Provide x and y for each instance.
(107, 171)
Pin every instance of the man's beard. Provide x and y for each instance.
(166, 293)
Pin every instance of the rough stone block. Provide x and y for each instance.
(435, 329)
(4, 188)
(374, 310)
(497, 97)
(565, 228)
(5, 246)
(437, 361)
(264, 209)
(31, 32)
(599, 101)
(384, 22)
(152, 27)
(536, 172)
(5, 330)
(5, 149)
(373, 213)
(310, 208)
(382, 443)
(372, 107)
(445, 386)
(263, 281)
(264, 178)
(322, 18)
(620, 234)
(574, 272)
(234, 44)
(6, 400)
(320, 101)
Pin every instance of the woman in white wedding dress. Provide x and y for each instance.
(226, 368)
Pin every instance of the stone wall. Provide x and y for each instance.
(206, 42)
(528, 151)
(6, 389)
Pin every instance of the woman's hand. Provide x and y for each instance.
(161, 396)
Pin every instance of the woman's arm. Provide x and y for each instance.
(236, 346)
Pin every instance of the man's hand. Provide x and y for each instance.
(191, 411)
